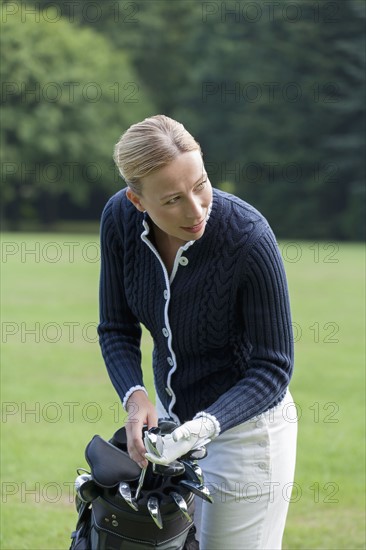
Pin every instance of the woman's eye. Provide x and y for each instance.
(173, 200)
(201, 185)
(198, 187)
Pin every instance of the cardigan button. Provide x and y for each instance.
(168, 391)
(170, 361)
(165, 332)
(165, 294)
(183, 261)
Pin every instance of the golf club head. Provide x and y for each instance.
(181, 503)
(193, 471)
(86, 488)
(173, 469)
(196, 454)
(153, 441)
(167, 426)
(197, 488)
(80, 480)
(154, 511)
(125, 491)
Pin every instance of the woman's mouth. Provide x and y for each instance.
(194, 228)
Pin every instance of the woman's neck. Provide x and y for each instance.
(167, 246)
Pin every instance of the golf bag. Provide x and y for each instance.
(121, 507)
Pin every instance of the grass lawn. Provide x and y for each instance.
(56, 394)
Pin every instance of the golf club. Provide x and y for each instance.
(182, 505)
(153, 507)
(196, 454)
(86, 488)
(153, 441)
(125, 492)
(193, 471)
(198, 489)
(167, 426)
(139, 486)
(175, 468)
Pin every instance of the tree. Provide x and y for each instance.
(343, 199)
(274, 92)
(66, 98)
(269, 91)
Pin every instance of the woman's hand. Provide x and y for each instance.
(140, 412)
(188, 436)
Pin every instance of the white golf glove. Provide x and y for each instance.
(188, 436)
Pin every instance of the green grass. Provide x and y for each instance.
(56, 394)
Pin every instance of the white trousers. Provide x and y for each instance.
(249, 471)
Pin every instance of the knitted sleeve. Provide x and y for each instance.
(119, 331)
(267, 325)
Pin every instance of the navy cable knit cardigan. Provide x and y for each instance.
(221, 322)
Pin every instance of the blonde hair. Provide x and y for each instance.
(150, 145)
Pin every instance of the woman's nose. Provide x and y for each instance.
(194, 209)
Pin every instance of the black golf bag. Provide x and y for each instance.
(121, 507)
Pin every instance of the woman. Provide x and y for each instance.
(202, 271)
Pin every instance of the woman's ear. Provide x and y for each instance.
(135, 199)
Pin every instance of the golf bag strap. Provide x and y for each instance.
(80, 537)
(108, 464)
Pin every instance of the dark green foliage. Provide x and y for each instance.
(67, 95)
(273, 91)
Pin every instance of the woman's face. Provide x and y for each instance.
(177, 197)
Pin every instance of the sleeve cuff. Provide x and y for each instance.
(214, 421)
(130, 392)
